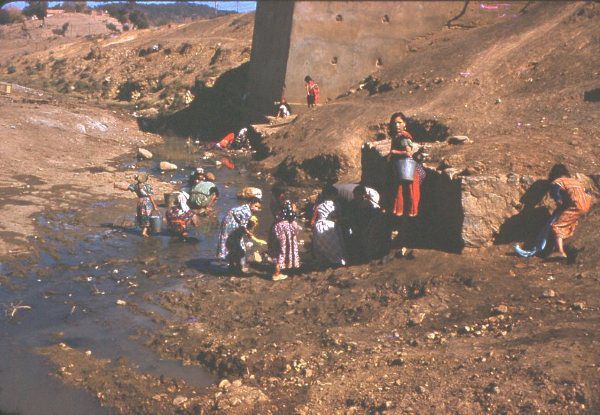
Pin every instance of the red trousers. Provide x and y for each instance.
(411, 191)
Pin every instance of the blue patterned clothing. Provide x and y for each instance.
(235, 218)
(144, 206)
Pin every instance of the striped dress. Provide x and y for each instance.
(575, 202)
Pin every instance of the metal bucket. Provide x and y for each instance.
(155, 222)
(405, 169)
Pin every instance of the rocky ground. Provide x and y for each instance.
(154, 71)
(424, 333)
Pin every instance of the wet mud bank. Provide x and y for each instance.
(382, 337)
(79, 300)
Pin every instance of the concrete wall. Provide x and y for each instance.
(337, 43)
(268, 61)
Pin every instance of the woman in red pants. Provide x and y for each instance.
(408, 193)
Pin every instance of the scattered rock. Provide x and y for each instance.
(466, 329)
(548, 293)
(416, 319)
(492, 388)
(121, 302)
(166, 166)
(459, 139)
(179, 400)
(224, 384)
(397, 362)
(144, 154)
(579, 305)
(500, 309)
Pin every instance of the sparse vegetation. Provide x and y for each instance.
(10, 15)
(112, 27)
(139, 19)
(184, 48)
(129, 90)
(62, 31)
(161, 14)
(38, 9)
(75, 7)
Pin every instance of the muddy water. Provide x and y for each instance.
(84, 262)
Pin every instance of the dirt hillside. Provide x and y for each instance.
(523, 88)
(156, 70)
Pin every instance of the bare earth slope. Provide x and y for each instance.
(515, 87)
(156, 69)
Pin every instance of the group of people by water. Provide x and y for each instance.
(348, 223)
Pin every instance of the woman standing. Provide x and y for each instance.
(402, 150)
(236, 217)
(283, 241)
(327, 238)
(146, 203)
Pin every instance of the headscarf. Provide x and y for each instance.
(287, 211)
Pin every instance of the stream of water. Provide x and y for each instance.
(84, 262)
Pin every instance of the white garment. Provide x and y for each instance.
(182, 197)
(283, 110)
(327, 241)
(242, 133)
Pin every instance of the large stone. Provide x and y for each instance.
(144, 154)
(166, 166)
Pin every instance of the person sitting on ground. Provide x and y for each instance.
(242, 140)
(402, 147)
(236, 244)
(179, 220)
(234, 218)
(204, 194)
(226, 141)
(572, 200)
(183, 196)
(146, 204)
(312, 92)
(283, 110)
(327, 238)
(283, 241)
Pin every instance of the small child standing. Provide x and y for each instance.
(178, 219)
(236, 244)
(283, 241)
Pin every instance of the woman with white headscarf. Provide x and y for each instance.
(327, 239)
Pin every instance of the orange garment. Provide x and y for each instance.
(313, 92)
(576, 203)
(413, 193)
(227, 140)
